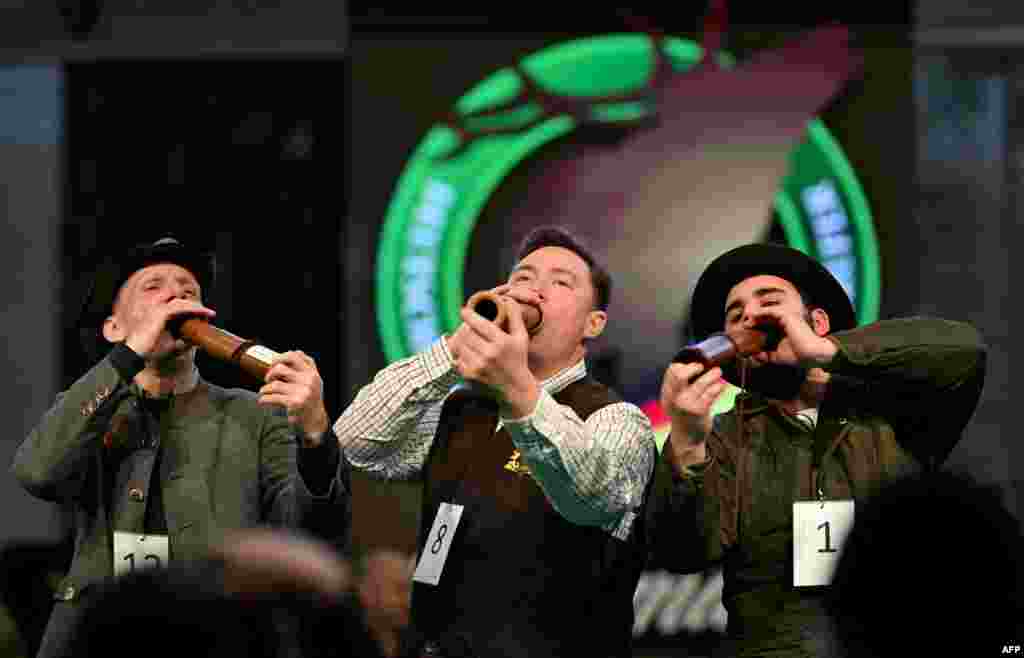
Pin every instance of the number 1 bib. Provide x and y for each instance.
(819, 529)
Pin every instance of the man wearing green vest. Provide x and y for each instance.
(157, 463)
(768, 489)
(530, 543)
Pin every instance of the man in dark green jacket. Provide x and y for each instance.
(769, 488)
(156, 463)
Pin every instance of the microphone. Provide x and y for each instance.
(248, 355)
(721, 348)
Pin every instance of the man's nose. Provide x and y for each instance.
(536, 288)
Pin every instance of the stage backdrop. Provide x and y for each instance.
(441, 228)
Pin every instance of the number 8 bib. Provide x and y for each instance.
(435, 551)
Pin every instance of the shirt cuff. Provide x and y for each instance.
(526, 428)
(439, 363)
(126, 362)
(318, 466)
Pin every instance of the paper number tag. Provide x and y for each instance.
(435, 552)
(263, 354)
(134, 552)
(819, 530)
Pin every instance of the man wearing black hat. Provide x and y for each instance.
(831, 412)
(157, 463)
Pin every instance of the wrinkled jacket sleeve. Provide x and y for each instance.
(923, 375)
(682, 519)
(323, 508)
(53, 460)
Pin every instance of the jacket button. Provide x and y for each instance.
(136, 494)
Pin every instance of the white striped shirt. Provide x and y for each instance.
(594, 473)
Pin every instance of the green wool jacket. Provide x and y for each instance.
(226, 463)
(900, 395)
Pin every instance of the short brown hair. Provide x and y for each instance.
(557, 236)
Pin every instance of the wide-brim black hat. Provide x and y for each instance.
(707, 306)
(114, 270)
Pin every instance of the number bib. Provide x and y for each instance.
(435, 551)
(133, 552)
(819, 530)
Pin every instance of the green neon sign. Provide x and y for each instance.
(443, 189)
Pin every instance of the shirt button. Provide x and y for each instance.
(136, 494)
(69, 592)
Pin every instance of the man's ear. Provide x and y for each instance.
(820, 322)
(596, 322)
(112, 330)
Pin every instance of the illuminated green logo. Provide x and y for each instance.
(449, 179)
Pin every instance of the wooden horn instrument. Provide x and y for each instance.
(248, 355)
(494, 308)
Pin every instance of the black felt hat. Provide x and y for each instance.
(114, 270)
(707, 307)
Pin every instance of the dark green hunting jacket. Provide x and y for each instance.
(211, 460)
(901, 394)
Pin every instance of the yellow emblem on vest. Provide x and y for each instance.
(515, 465)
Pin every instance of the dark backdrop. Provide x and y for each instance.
(244, 157)
(409, 68)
